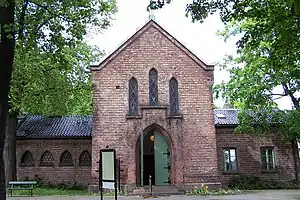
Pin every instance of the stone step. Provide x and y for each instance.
(156, 191)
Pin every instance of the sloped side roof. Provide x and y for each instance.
(226, 117)
(141, 31)
(36, 126)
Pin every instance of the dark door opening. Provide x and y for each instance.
(153, 159)
(149, 160)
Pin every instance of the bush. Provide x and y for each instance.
(256, 183)
(63, 185)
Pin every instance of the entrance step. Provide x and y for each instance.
(156, 191)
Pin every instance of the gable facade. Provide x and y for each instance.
(156, 63)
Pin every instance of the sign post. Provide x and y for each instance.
(107, 171)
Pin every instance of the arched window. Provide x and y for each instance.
(133, 97)
(85, 159)
(173, 94)
(66, 159)
(27, 159)
(153, 87)
(46, 159)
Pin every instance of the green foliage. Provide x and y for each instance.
(41, 86)
(256, 183)
(50, 74)
(266, 69)
(228, 9)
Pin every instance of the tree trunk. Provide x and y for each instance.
(10, 148)
(296, 158)
(6, 63)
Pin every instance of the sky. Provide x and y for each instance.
(201, 39)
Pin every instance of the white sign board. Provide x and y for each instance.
(108, 168)
(108, 185)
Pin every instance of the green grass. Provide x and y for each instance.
(55, 192)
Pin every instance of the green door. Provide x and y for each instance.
(162, 160)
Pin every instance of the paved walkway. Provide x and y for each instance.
(255, 195)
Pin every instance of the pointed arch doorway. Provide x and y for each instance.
(153, 158)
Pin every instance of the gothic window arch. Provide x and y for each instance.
(66, 159)
(133, 97)
(27, 159)
(153, 87)
(174, 97)
(85, 159)
(46, 159)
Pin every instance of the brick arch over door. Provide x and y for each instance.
(159, 130)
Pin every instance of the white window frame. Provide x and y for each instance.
(228, 149)
(267, 157)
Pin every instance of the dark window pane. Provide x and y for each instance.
(47, 158)
(27, 159)
(85, 159)
(174, 100)
(229, 159)
(133, 97)
(153, 87)
(267, 158)
(66, 159)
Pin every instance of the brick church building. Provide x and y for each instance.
(153, 103)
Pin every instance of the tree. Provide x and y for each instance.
(48, 27)
(7, 42)
(228, 9)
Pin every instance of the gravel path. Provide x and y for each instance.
(254, 195)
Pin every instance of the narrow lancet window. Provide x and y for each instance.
(153, 87)
(174, 100)
(133, 97)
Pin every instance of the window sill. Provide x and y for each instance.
(46, 165)
(154, 107)
(84, 165)
(26, 165)
(230, 172)
(66, 165)
(175, 117)
(269, 171)
(133, 117)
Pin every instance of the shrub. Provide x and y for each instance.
(63, 185)
(256, 183)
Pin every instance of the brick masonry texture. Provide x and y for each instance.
(249, 155)
(54, 174)
(192, 138)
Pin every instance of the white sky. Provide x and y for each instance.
(201, 39)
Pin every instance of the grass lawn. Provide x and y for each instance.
(55, 192)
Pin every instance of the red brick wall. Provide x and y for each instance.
(249, 157)
(193, 140)
(54, 174)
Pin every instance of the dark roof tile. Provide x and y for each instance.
(37, 126)
(67, 126)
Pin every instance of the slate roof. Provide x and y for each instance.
(36, 126)
(68, 126)
(230, 117)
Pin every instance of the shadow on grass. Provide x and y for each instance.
(55, 192)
